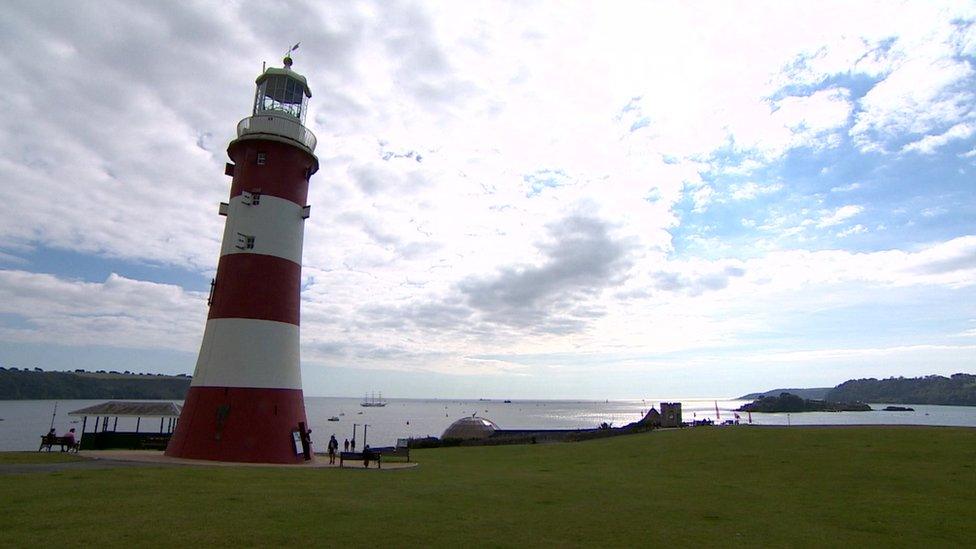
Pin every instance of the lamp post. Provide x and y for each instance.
(365, 425)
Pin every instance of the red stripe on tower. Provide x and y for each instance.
(245, 403)
(264, 288)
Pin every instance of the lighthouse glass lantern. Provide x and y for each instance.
(282, 92)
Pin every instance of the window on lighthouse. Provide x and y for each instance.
(245, 242)
(250, 198)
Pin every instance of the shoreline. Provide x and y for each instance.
(854, 426)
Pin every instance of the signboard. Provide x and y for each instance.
(297, 438)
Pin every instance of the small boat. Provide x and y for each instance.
(508, 402)
(898, 409)
(334, 418)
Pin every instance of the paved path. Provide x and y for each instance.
(83, 464)
(111, 459)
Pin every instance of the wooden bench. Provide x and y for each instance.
(358, 456)
(153, 443)
(67, 444)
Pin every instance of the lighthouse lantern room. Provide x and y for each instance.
(282, 91)
(245, 402)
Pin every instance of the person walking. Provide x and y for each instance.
(345, 445)
(69, 438)
(333, 447)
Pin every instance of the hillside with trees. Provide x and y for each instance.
(815, 393)
(787, 402)
(957, 390)
(24, 384)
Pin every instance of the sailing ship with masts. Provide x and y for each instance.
(373, 402)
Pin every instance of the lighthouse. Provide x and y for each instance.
(245, 403)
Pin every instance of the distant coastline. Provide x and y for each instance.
(36, 384)
(955, 390)
(787, 402)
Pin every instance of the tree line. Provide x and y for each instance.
(24, 384)
(955, 390)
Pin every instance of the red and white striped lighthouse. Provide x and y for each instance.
(245, 402)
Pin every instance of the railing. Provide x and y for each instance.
(277, 125)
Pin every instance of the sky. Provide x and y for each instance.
(523, 200)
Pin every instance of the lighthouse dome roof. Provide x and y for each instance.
(276, 71)
(471, 428)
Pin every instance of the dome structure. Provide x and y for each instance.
(470, 428)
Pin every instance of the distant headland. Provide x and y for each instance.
(787, 402)
(955, 390)
(31, 384)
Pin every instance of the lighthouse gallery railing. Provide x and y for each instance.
(277, 125)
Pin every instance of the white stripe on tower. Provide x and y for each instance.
(275, 223)
(241, 352)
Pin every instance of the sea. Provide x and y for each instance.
(22, 422)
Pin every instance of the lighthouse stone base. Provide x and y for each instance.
(239, 424)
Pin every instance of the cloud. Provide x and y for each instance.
(854, 353)
(701, 197)
(955, 256)
(118, 312)
(923, 93)
(696, 283)
(856, 229)
(846, 188)
(581, 259)
(750, 190)
(929, 143)
(951, 264)
(839, 215)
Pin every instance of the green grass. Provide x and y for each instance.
(695, 487)
(20, 458)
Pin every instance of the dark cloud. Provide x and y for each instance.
(964, 259)
(696, 283)
(450, 316)
(373, 228)
(582, 259)
(422, 68)
(335, 349)
(374, 179)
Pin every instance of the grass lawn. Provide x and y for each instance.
(36, 457)
(706, 487)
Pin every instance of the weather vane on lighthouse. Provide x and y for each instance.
(245, 402)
